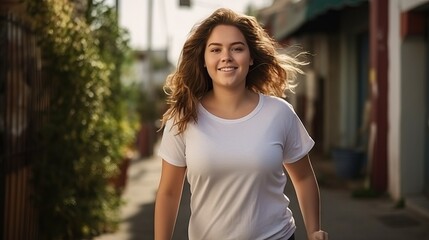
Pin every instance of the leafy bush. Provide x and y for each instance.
(86, 133)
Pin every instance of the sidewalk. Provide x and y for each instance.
(344, 217)
(139, 195)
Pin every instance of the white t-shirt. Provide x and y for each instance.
(234, 168)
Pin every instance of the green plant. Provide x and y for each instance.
(159, 63)
(86, 133)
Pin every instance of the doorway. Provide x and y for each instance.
(362, 89)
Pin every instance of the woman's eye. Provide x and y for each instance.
(215, 50)
(237, 49)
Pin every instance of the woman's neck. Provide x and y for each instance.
(230, 104)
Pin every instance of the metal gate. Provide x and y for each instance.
(23, 103)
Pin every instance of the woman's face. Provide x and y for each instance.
(227, 57)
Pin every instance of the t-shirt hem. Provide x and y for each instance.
(172, 162)
(290, 233)
(309, 144)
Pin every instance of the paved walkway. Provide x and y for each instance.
(344, 217)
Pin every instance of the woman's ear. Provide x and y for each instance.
(251, 62)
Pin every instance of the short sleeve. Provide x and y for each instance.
(172, 147)
(298, 142)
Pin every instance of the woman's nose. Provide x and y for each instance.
(226, 57)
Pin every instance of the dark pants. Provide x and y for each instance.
(292, 237)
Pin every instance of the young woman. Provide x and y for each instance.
(229, 131)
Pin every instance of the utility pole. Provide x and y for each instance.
(117, 9)
(185, 3)
(149, 51)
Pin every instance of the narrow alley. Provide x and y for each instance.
(343, 217)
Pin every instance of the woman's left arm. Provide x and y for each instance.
(307, 190)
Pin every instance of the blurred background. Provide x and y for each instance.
(81, 97)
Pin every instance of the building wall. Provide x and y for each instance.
(325, 66)
(138, 71)
(323, 69)
(406, 5)
(348, 79)
(335, 61)
(353, 23)
(413, 76)
(407, 108)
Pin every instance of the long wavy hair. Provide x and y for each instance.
(272, 73)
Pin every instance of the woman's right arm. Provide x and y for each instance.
(168, 199)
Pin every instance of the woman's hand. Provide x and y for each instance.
(319, 235)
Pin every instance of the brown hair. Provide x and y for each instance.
(272, 73)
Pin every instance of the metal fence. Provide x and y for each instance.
(23, 102)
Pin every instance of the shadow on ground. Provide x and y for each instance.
(141, 224)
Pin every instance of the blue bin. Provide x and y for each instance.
(348, 162)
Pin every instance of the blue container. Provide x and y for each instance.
(348, 162)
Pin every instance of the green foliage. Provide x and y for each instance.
(86, 132)
(159, 63)
(147, 108)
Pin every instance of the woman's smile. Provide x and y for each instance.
(227, 69)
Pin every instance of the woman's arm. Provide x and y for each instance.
(307, 190)
(168, 199)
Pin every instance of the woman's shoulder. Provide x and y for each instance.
(277, 102)
(170, 125)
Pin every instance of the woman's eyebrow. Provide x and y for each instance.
(219, 44)
(240, 43)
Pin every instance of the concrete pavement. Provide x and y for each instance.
(343, 217)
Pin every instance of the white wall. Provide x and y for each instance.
(406, 96)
